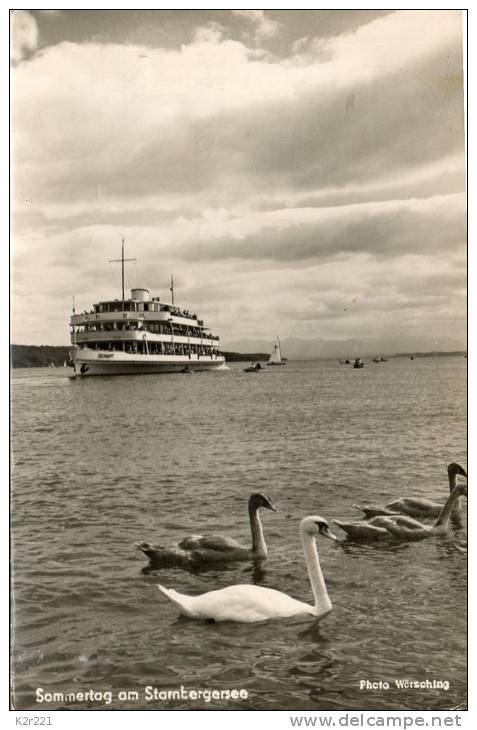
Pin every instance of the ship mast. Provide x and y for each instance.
(74, 328)
(74, 336)
(172, 288)
(122, 260)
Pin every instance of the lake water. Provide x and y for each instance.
(102, 463)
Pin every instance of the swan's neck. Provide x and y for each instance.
(457, 508)
(318, 586)
(258, 541)
(443, 519)
(457, 514)
(452, 481)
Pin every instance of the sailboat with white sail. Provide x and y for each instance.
(276, 356)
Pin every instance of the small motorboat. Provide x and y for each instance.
(358, 363)
(253, 368)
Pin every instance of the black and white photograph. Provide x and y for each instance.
(238, 360)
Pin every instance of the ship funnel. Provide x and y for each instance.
(140, 295)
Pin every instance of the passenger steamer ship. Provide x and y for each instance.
(141, 335)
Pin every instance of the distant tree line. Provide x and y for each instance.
(33, 356)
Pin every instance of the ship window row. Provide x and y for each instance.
(153, 348)
(160, 328)
(132, 306)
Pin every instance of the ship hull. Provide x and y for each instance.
(87, 363)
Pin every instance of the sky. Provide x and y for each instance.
(301, 173)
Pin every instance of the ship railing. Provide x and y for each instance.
(176, 349)
(139, 334)
(136, 316)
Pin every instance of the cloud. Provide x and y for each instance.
(24, 35)
(211, 33)
(263, 26)
(285, 184)
(386, 229)
(243, 122)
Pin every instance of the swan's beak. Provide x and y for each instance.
(270, 506)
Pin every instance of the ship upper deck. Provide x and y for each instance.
(134, 310)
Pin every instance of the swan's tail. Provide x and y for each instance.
(177, 599)
(344, 525)
(162, 557)
(167, 591)
(371, 510)
(144, 546)
(361, 530)
(153, 552)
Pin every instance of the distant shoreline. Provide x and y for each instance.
(37, 356)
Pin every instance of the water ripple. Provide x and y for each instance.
(103, 463)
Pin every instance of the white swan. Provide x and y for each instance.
(402, 526)
(198, 550)
(250, 603)
(415, 506)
